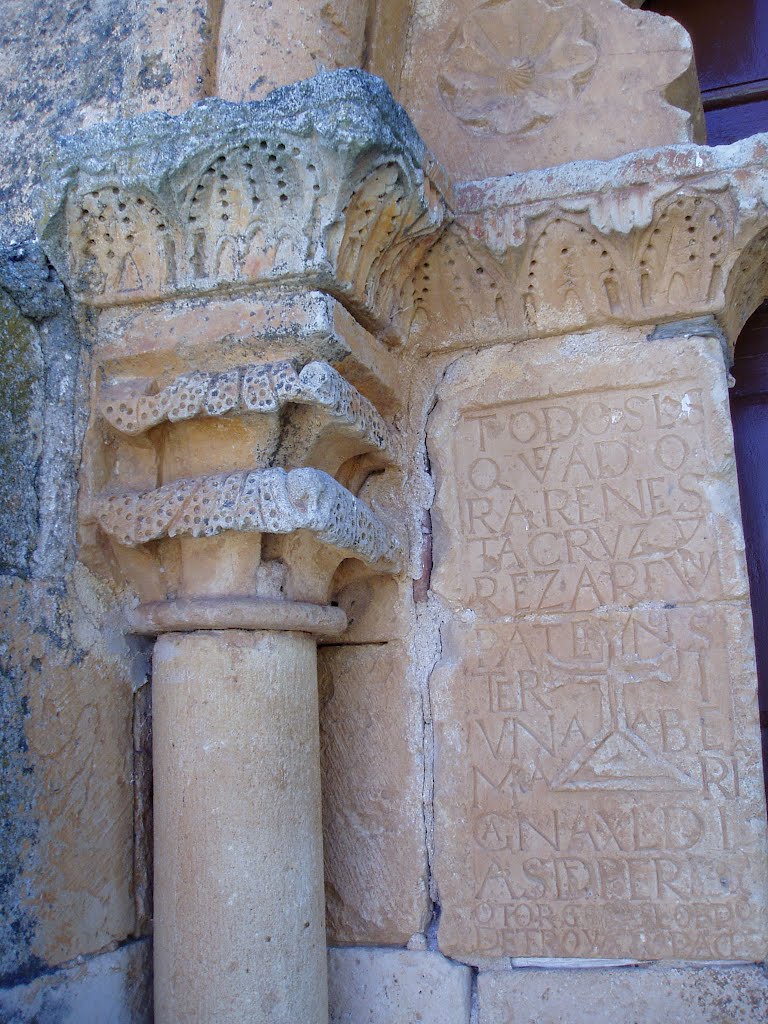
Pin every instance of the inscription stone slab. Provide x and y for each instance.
(598, 787)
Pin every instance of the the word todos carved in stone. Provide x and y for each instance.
(570, 504)
(595, 731)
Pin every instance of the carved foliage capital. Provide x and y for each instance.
(655, 236)
(323, 184)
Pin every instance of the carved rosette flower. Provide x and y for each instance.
(513, 65)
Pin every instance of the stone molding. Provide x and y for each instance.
(646, 238)
(184, 616)
(263, 388)
(325, 182)
(263, 501)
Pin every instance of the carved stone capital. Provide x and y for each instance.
(328, 404)
(654, 236)
(240, 484)
(324, 183)
(236, 260)
(269, 501)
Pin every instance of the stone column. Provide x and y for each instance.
(235, 266)
(239, 909)
(238, 845)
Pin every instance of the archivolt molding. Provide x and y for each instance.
(325, 183)
(645, 239)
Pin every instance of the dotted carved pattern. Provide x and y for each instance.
(383, 234)
(273, 501)
(564, 273)
(122, 243)
(748, 283)
(229, 211)
(264, 388)
(263, 210)
(472, 280)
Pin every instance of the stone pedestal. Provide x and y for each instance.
(239, 908)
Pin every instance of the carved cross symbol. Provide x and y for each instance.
(616, 757)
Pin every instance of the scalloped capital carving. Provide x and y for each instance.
(323, 184)
(269, 501)
(655, 236)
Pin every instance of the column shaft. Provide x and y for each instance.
(239, 908)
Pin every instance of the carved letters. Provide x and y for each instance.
(575, 503)
(605, 785)
(596, 728)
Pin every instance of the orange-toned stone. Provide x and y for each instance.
(598, 790)
(75, 668)
(529, 83)
(171, 61)
(166, 340)
(238, 844)
(373, 772)
(276, 42)
(649, 237)
(388, 32)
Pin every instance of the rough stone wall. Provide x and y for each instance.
(74, 879)
(68, 679)
(66, 66)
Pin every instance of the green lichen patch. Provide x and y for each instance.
(21, 384)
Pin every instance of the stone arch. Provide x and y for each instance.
(747, 285)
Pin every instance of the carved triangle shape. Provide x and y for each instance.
(622, 761)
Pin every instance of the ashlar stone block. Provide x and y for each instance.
(285, 42)
(520, 84)
(111, 986)
(396, 986)
(694, 995)
(598, 790)
(371, 735)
